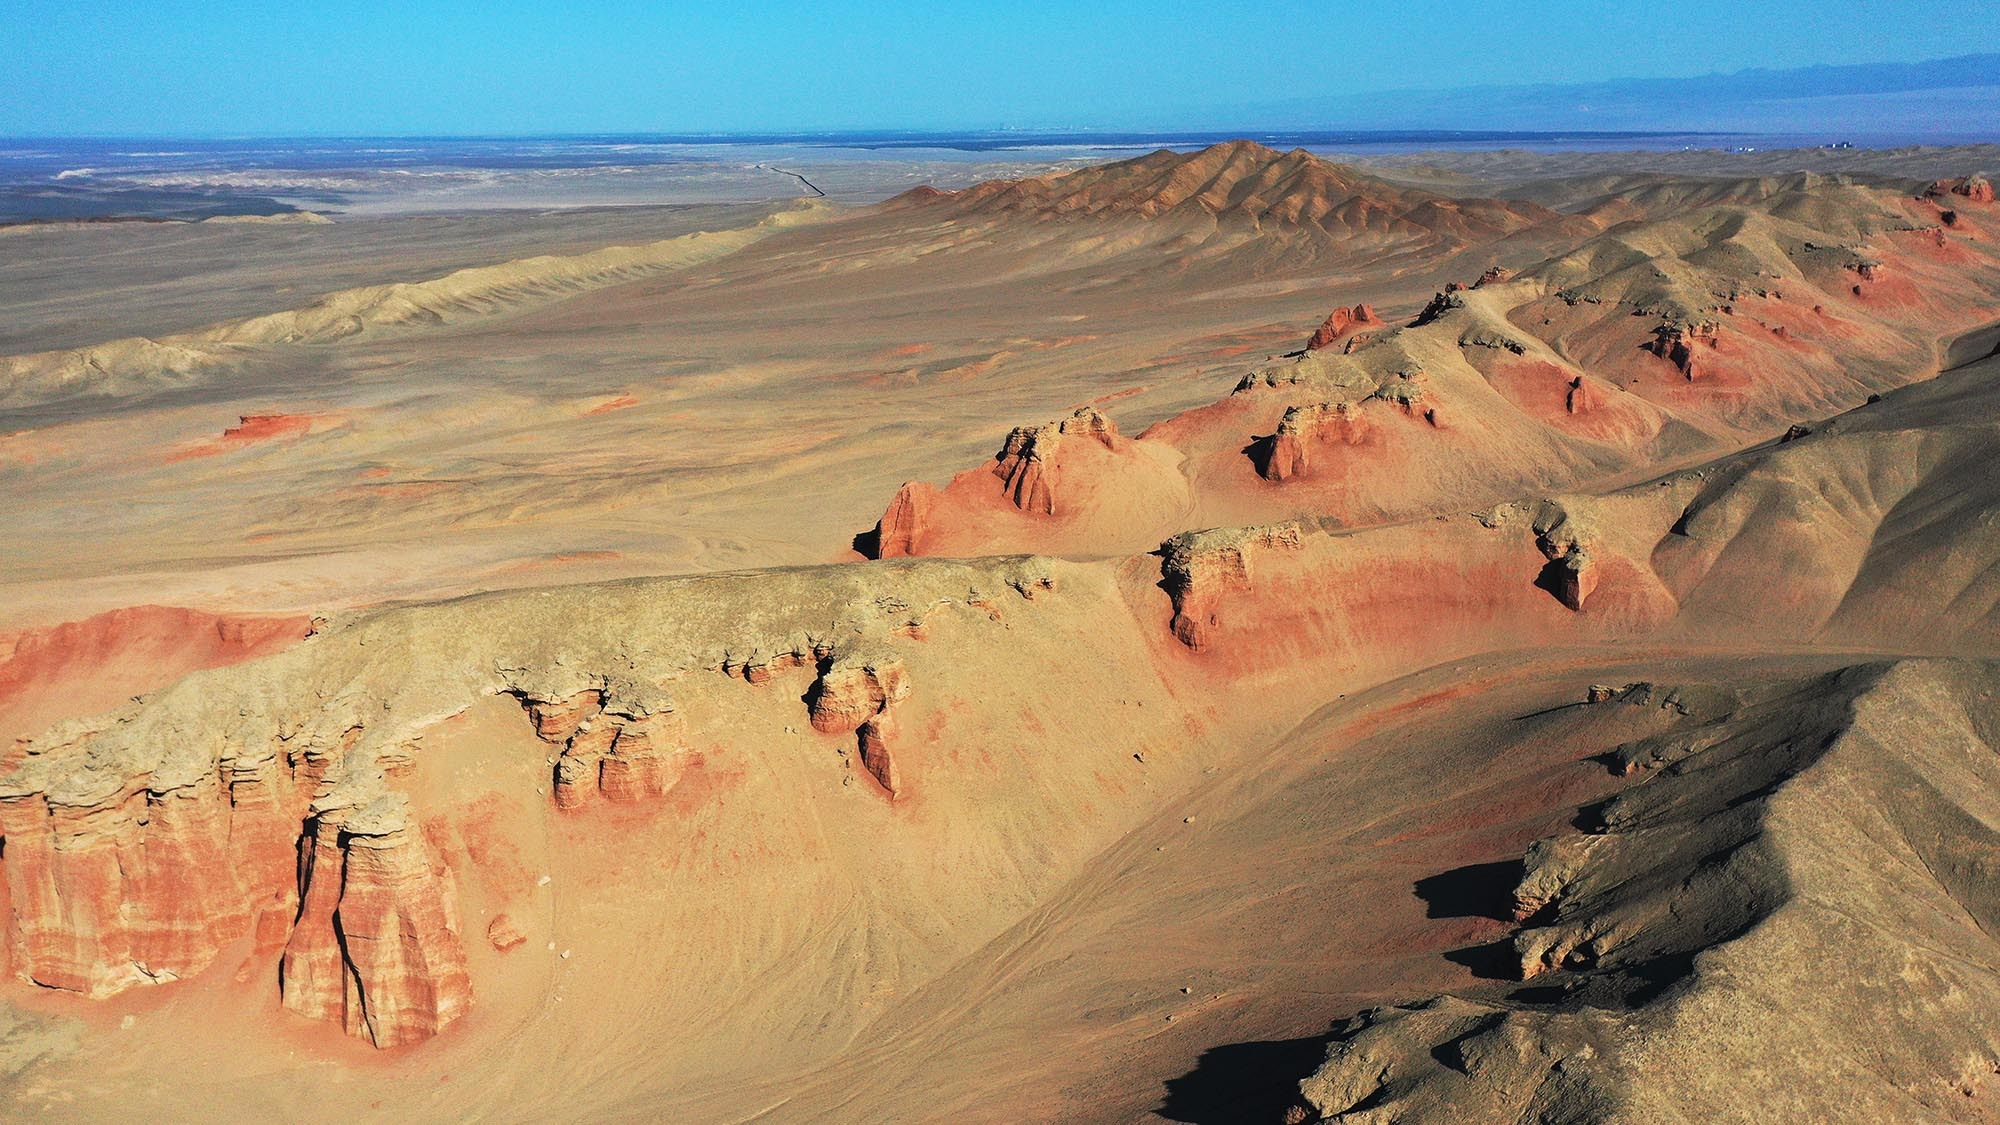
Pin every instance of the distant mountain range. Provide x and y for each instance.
(1941, 98)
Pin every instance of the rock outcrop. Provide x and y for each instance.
(619, 742)
(265, 800)
(1681, 345)
(1342, 323)
(1027, 461)
(1701, 934)
(1303, 428)
(855, 693)
(1571, 574)
(900, 531)
(1976, 189)
(1198, 568)
(377, 946)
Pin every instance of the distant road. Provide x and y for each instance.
(800, 178)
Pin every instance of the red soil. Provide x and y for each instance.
(83, 667)
(250, 430)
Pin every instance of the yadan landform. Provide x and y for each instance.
(1219, 635)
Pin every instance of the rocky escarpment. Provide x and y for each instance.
(1572, 574)
(1693, 331)
(1682, 345)
(376, 946)
(1785, 861)
(1302, 429)
(272, 800)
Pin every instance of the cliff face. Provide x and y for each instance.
(377, 946)
(270, 801)
(1028, 465)
(132, 885)
(1198, 569)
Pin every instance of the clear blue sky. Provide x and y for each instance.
(203, 67)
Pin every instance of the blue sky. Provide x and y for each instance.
(200, 68)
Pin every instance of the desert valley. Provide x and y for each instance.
(1220, 635)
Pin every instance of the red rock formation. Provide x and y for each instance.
(503, 934)
(1977, 189)
(1199, 567)
(130, 886)
(80, 667)
(1026, 462)
(876, 757)
(557, 720)
(644, 761)
(1578, 399)
(1575, 578)
(856, 694)
(900, 531)
(1290, 452)
(1342, 322)
(579, 769)
(251, 429)
(1680, 344)
(1571, 574)
(622, 748)
(377, 944)
(853, 690)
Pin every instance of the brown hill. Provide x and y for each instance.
(1238, 183)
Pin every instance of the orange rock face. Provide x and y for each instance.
(876, 757)
(1303, 428)
(129, 887)
(1340, 323)
(377, 946)
(851, 692)
(1199, 567)
(1048, 470)
(616, 749)
(900, 531)
(1026, 463)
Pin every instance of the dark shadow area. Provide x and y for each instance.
(1495, 960)
(1259, 451)
(1545, 712)
(1980, 343)
(1243, 1082)
(1593, 818)
(1478, 890)
(869, 543)
(1550, 580)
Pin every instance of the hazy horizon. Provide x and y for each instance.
(429, 70)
